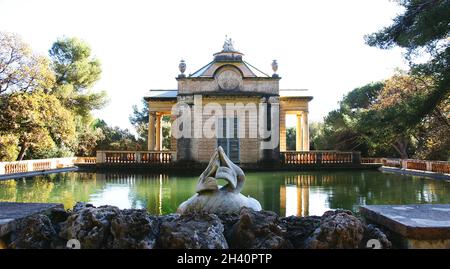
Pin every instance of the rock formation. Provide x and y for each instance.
(197, 231)
(108, 227)
(337, 229)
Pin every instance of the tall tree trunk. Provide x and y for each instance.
(401, 146)
(23, 150)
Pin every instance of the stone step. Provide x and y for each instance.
(416, 226)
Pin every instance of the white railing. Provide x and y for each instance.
(35, 165)
(124, 157)
(412, 164)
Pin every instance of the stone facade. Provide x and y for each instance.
(229, 80)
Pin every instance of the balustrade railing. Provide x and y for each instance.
(412, 164)
(371, 160)
(392, 162)
(320, 157)
(85, 160)
(124, 157)
(440, 167)
(416, 165)
(15, 167)
(35, 165)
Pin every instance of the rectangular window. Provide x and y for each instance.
(227, 137)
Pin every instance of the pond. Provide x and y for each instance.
(287, 193)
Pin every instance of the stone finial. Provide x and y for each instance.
(274, 68)
(182, 68)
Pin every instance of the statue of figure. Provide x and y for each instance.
(212, 198)
(228, 45)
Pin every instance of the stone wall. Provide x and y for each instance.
(200, 149)
(249, 85)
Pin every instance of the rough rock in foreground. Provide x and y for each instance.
(108, 227)
(197, 231)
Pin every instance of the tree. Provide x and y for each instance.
(139, 120)
(391, 120)
(35, 121)
(21, 69)
(433, 134)
(76, 72)
(340, 128)
(422, 30)
(88, 137)
(115, 138)
(8, 146)
(166, 133)
(290, 138)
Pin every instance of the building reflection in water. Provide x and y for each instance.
(297, 198)
(134, 191)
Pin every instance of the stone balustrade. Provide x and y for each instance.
(35, 165)
(372, 160)
(321, 157)
(412, 164)
(85, 160)
(128, 157)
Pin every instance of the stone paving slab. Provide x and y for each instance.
(11, 212)
(423, 221)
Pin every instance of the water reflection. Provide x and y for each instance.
(287, 193)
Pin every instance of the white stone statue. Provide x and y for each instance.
(212, 198)
(228, 45)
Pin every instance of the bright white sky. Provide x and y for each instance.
(318, 44)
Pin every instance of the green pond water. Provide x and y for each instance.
(287, 193)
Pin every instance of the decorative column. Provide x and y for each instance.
(305, 128)
(298, 133)
(101, 158)
(282, 130)
(151, 131)
(158, 132)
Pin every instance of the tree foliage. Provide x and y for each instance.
(340, 128)
(393, 119)
(76, 72)
(46, 104)
(37, 121)
(423, 30)
(380, 119)
(290, 138)
(115, 138)
(21, 70)
(140, 120)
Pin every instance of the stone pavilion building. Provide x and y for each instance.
(228, 78)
